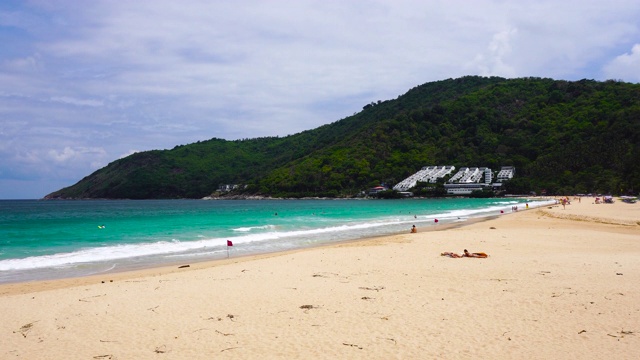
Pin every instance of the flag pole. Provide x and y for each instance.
(229, 243)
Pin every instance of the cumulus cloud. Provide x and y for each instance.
(625, 66)
(494, 61)
(72, 154)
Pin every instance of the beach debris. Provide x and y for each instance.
(376, 288)
(618, 273)
(109, 356)
(224, 334)
(622, 334)
(231, 317)
(324, 274)
(24, 329)
(582, 331)
(390, 339)
(231, 348)
(89, 297)
(183, 266)
(160, 349)
(367, 298)
(153, 308)
(492, 228)
(307, 307)
(352, 345)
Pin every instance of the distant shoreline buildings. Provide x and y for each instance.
(465, 181)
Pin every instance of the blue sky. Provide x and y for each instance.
(83, 83)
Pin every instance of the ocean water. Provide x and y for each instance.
(55, 239)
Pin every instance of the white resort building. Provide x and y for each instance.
(463, 182)
(468, 180)
(506, 173)
(426, 174)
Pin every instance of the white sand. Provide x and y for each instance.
(559, 284)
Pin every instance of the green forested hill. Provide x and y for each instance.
(562, 136)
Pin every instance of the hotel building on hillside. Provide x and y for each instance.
(463, 182)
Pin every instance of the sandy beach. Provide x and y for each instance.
(558, 284)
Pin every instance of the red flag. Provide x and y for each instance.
(229, 243)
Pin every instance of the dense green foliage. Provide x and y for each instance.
(563, 137)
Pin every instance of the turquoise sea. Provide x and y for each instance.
(56, 239)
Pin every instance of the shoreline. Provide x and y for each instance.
(552, 287)
(24, 287)
(98, 268)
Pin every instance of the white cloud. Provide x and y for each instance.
(69, 154)
(494, 61)
(63, 155)
(625, 66)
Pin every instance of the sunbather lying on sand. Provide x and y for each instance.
(450, 254)
(465, 254)
(475, 255)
